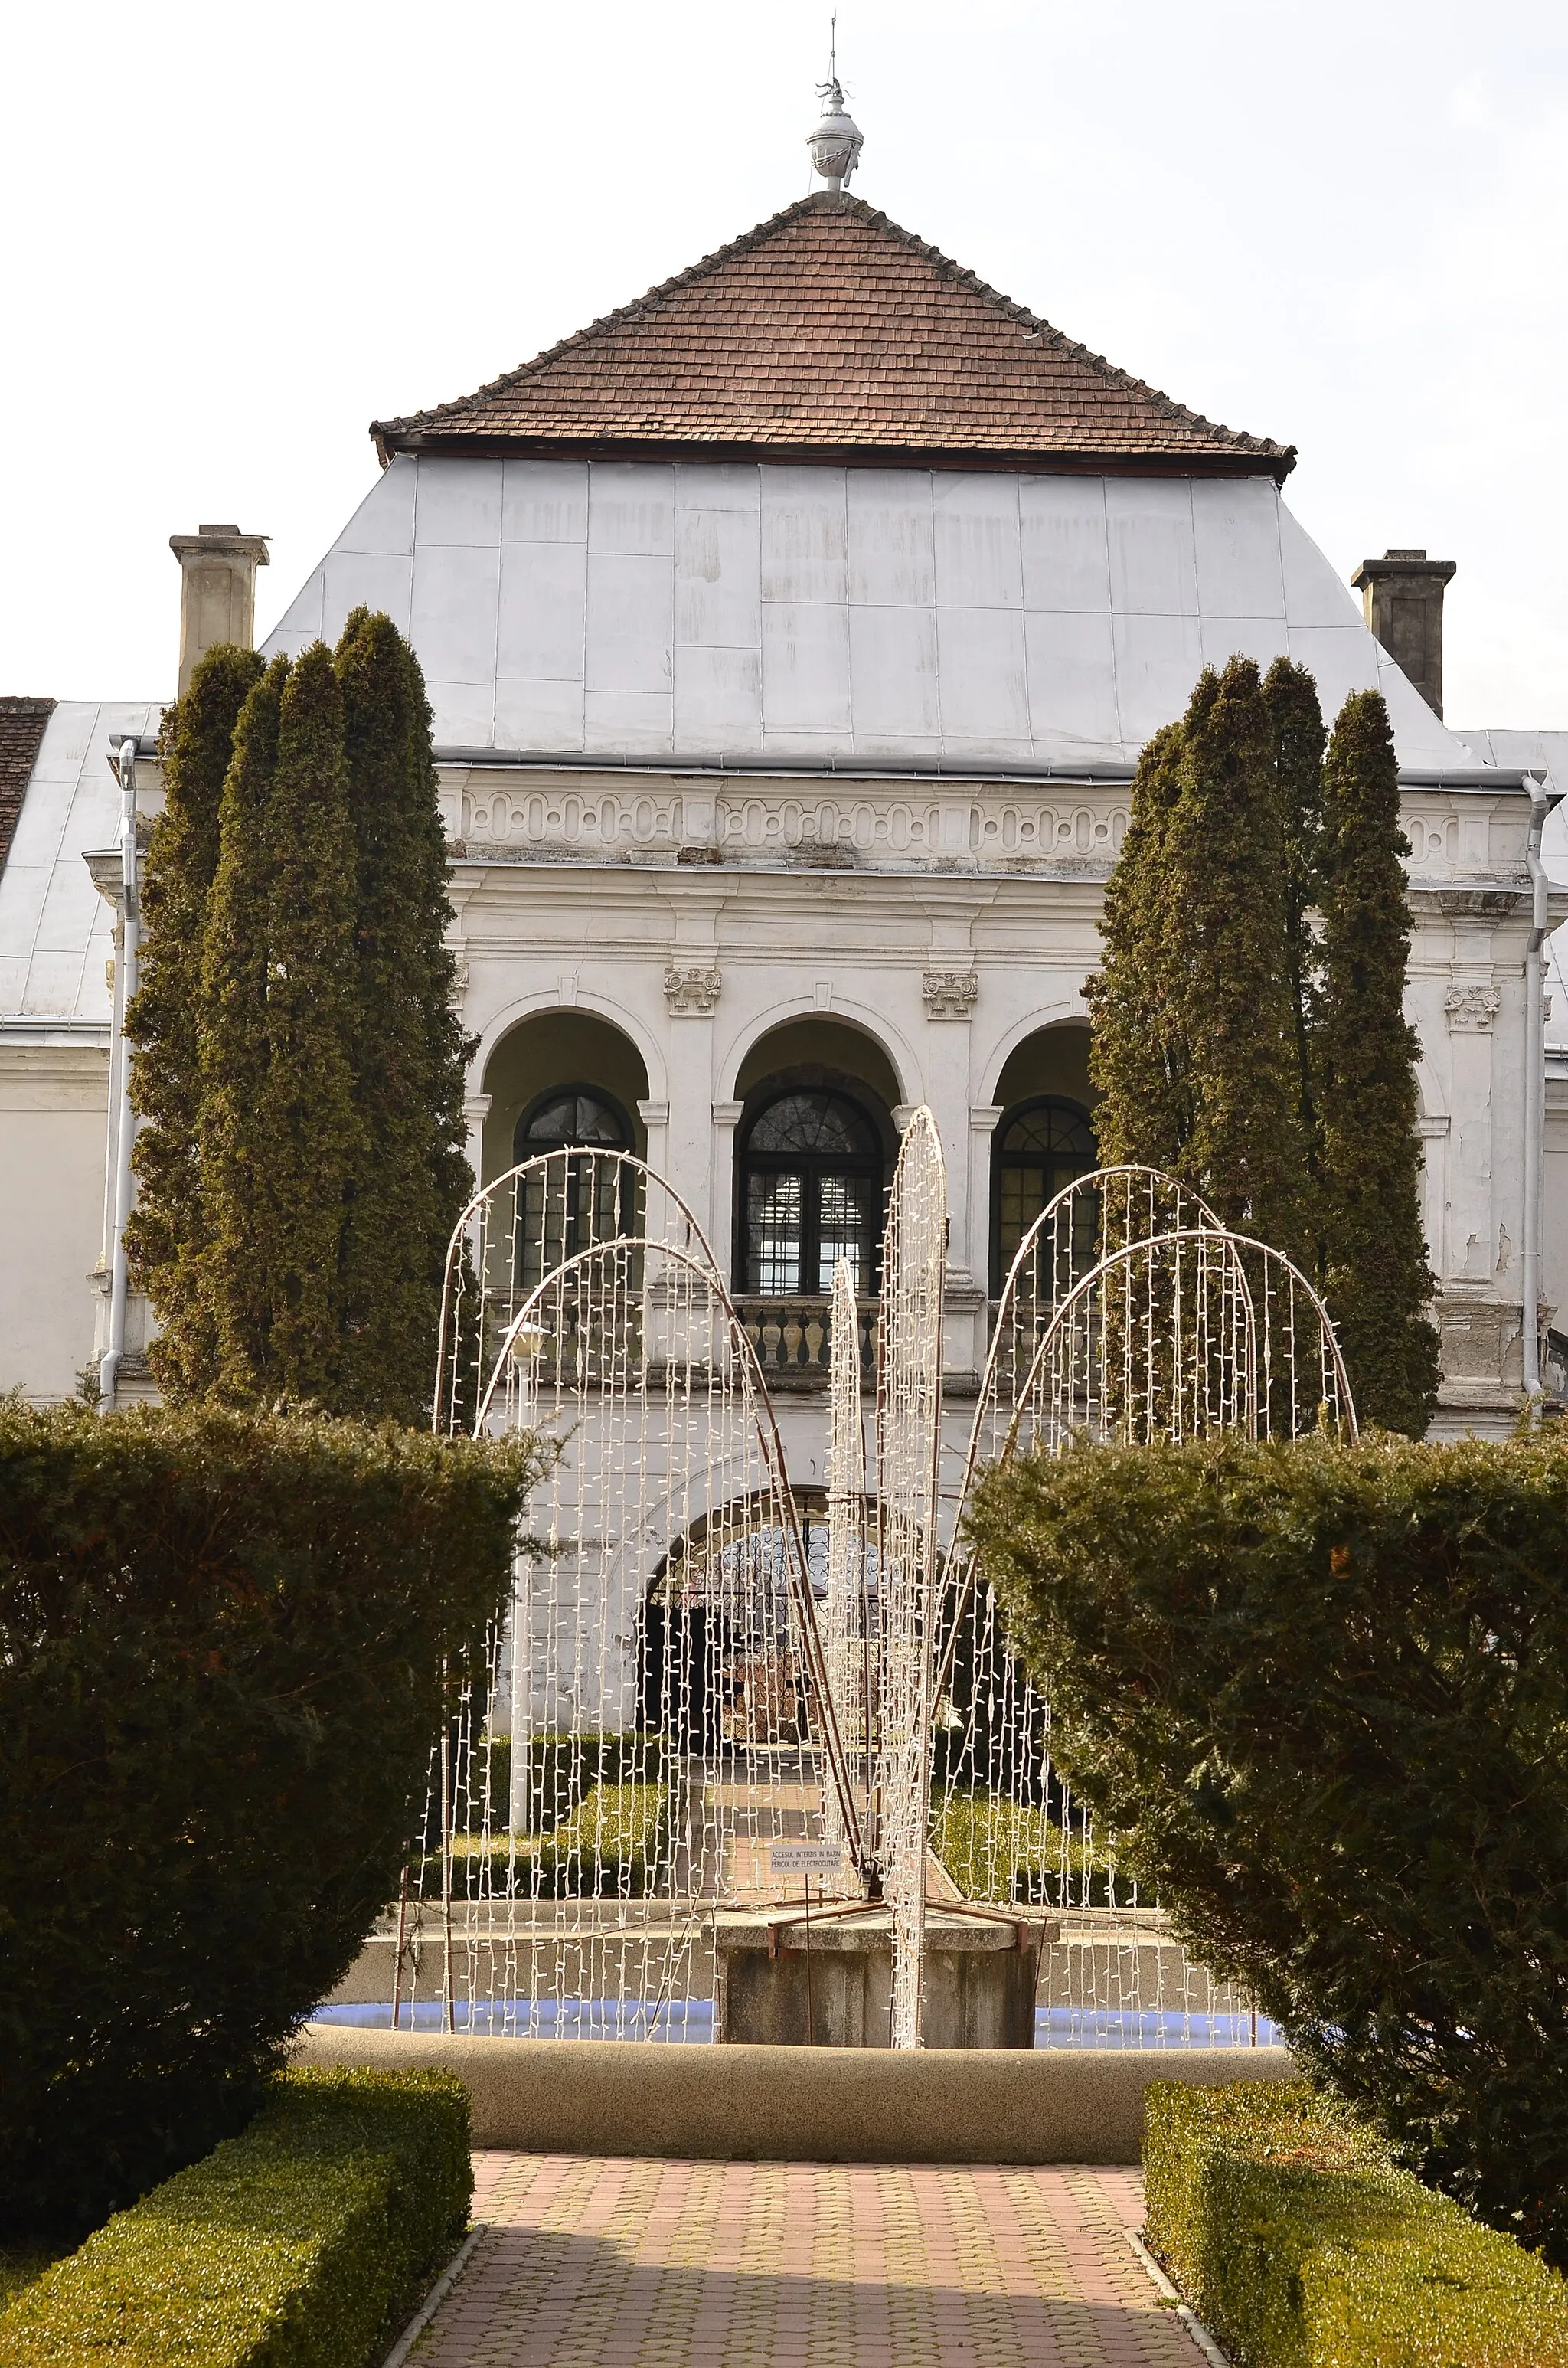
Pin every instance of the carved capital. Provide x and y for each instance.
(691, 989)
(1471, 1009)
(948, 994)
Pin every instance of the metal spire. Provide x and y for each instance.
(836, 141)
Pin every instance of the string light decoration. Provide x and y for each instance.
(694, 1666)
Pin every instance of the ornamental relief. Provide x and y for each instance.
(949, 994)
(835, 830)
(691, 989)
(1471, 1009)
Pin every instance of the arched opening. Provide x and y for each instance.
(1045, 1136)
(562, 1079)
(813, 1152)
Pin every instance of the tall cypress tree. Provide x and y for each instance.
(410, 1178)
(1138, 1055)
(1377, 1280)
(167, 1227)
(1224, 928)
(1297, 738)
(232, 1144)
(308, 1125)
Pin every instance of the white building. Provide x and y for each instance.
(792, 637)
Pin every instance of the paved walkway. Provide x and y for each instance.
(588, 2263)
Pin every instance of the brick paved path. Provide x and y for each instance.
(588, 2263)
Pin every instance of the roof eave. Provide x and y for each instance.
(1266, 461)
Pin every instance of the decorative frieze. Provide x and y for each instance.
(1471, 1009)
(949, 994)
(691, 989)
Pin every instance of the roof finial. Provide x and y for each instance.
(836, 141)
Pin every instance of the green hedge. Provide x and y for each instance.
(304, 2243)
(1300, 2244)
(222, 1647)
(610, 1843)
(1320, 1693)
(996, 1849)
(562, 1769)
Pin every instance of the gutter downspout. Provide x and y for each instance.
(125, 1125)
(1535, 1097)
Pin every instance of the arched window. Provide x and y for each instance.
(587, 1198)
(1040, 1147)
(811, 1193)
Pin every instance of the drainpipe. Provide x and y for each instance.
(124, 1133)
(1535, 1094)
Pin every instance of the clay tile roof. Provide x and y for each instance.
(21, 734)
(830, 332)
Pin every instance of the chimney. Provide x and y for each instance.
(217, 591)
(1402, 594)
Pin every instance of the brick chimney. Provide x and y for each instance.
(217, 591)
(1402, 594)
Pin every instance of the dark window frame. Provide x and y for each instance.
(1002, 1159)
(871, 1167)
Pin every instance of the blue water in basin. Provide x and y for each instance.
(690, 2022)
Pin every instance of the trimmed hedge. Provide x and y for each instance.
(305, 2243)
(610, 1843)
(1300, 2244)
(1320, 1693)
(562, 1769)
(994, 1849)
(221, 1650)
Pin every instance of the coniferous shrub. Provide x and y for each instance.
(168, 1228)
(304, 1119)
(1297, 739)
(232, 1282)
(1375, 1272)
(1321, 1695)
(1194, 1047)
(408, 1184)
(222, 1639)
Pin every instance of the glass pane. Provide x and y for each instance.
(844, 1228)
(1053, 1128)
(822, 1124)
(576, 1118)
(773, 1234)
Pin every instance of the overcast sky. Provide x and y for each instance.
(231, 237)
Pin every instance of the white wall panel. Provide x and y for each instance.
(1153, 565)
(1314, 594)
(1158, 659)
(374, 579)
(464, 712)
(1262, 639)
(543, 616)
(384, 519)
(544, 501)
(892, 538)
(717, 701)
(1343, 659)
(459, 501)
(632, 507)
(1066, 561)
(631, 622)
(628, 722)
(804, 534)
(299, 624)
(978, 555)
(456, 598)
(534, 714)
(892, 675)
(805, 668)
(1235, 524)
(982, 679)
(717, 485)
(717, 571)
(1072, 680)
